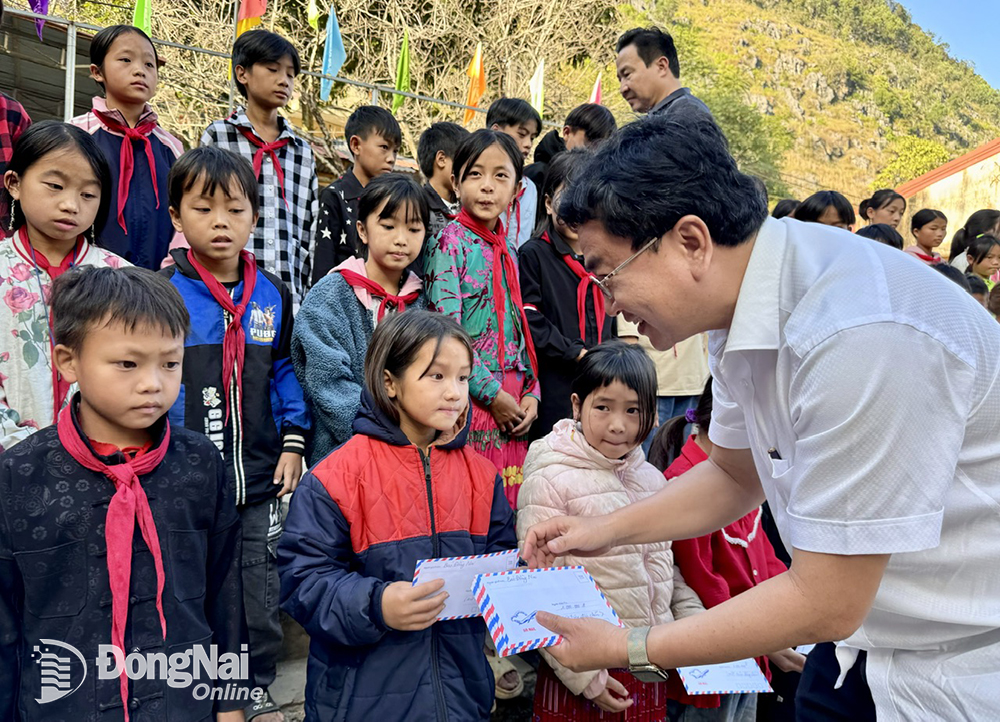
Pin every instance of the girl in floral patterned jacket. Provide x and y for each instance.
(471, 275)
(58, 184)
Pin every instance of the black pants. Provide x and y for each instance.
(262, 526)
(817, 700)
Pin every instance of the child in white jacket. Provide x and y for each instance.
(592, 465)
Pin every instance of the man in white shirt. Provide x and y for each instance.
(855, 390)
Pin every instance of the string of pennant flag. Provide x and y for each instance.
(251, 13)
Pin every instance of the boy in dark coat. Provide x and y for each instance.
(116, 530)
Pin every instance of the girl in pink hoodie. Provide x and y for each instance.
(336, 321)
(590, 465)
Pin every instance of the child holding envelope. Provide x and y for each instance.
(405, 487)
(590, 465)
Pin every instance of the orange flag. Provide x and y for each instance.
(477, 83)
(250, 15)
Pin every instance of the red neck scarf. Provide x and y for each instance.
(586, 282)
(234, 342)
(266, 149)
(127, 506)
(503, 266)
(356, 280)
(126, 164)
(515, 209)
(60, 387)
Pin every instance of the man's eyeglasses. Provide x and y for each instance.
(601, 283)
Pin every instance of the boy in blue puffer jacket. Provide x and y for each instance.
(403, 488)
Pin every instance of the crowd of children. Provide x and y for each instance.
(190, 331)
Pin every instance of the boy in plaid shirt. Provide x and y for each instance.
(265, 66)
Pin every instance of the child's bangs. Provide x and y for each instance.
(409, 206)
(628, 364)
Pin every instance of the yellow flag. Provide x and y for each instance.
(313, 14)
(477, 83)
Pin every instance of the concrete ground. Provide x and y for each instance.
(288, 689)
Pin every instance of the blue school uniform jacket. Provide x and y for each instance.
(275, 418)
(54, 581)
(359, 521)
(148, 230)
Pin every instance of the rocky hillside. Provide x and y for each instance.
(849, 94)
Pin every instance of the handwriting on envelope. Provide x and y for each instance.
(459, 573)
(739, 677)
(510, 602)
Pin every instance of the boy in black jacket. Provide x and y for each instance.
(118, 533)
(374, 138)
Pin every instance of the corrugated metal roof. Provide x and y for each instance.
(33, 72)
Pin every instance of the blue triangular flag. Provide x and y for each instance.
(334, 54)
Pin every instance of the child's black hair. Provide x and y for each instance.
(977, 286)
(980, 247)
(87, 295)
(440, 137)
(922, 217)
(953, 274)
(562, 170)
(214, 168)
(669, 438)
(625, 362)
(396, 191)
(785, 207)
(651, 43)
(49, 136)
(883, 233)
(512, 111)
(815, 205)
(993, 301)
(101, 44)
(394, 347)
(261, 46)
(596, 121)
(981, 221)
(472, 147)
(880, 199)
(369, 119)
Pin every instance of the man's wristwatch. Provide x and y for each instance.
(638, 660)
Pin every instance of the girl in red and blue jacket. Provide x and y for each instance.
(405, 487)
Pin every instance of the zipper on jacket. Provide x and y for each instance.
(235, 423)
(442, 708)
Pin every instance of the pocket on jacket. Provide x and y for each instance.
(188, 558)
(55, 580)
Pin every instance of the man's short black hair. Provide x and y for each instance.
(370, 119)
(651, 43)
(596, 121)
(652, 172)
(444, 137)
(215, 168)
(261, 46)
(86, 296)
(512, 111)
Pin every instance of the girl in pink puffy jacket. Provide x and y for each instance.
(590, 465)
